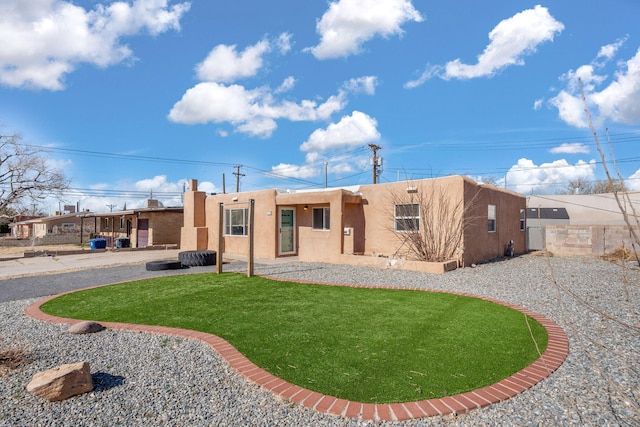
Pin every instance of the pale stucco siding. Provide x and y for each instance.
(361, 220)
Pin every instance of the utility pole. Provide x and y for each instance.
(111, 207)
(376, 161)
(238, 175)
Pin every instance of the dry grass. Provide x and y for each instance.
(620, 254)
(541, 253)
(12, 359)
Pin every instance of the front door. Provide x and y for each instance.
(287, 231)
(143, 233)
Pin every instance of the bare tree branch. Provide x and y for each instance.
(25, 175)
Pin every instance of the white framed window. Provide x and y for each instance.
(321, 219)
(236, 222)
(407, 217)
(106, 223)
(522, 220)
(491, 215)
(122, 223)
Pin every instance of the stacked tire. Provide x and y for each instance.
(197, 258)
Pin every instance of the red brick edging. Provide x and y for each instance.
(554, 355)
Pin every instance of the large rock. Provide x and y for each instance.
(62, 382)
(85, 327)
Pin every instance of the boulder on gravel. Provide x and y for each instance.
(62, 382)
(86, 327)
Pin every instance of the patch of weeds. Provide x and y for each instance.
(13, 358)
(620, 254)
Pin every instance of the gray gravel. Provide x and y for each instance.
(144, 380)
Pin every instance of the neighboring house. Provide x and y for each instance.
(596, 224)
(150, 226)
(51, 230)
(537, 219)
(353, 225)
(591, 209)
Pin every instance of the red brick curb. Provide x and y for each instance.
(554, 355)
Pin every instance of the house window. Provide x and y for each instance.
(407, 217)
(106, 224)
(122, 223)
(321, 218)
(522, 220)
(236, 222)
(491, 214)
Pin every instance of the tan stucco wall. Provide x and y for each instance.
(368, 217)
(479, 243)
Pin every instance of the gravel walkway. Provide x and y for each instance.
(144, 380)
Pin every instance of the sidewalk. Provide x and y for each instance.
(20, 267)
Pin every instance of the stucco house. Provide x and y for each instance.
(364, 225)
(56, 229)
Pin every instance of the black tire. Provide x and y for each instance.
(197, 258)
(163, 265)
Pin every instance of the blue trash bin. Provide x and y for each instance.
(98, 243)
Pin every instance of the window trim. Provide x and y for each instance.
(105, 224)
(492, 223)
(404, 218)
(326, 219)
(229, 225)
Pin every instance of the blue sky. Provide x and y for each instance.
(137, 97)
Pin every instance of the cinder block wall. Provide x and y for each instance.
(586, 239)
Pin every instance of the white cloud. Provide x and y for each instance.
(283, 43)
(44, 40)
(356, 129)
(251, 111)
(610, 50)
(570, 148)
(287, 84)
(364, 84)
(510, 40)
(528, 178)
(570, 109)
(618, 101)
(429, 72)
(538, 104)
(347, 24)
(328, 145)
(633, 182)
(224, 64)
(295, 171)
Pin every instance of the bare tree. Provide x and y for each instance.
(621, 195)
(429, 223)
(25, 176)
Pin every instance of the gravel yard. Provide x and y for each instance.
(144, 379)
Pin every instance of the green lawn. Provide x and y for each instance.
(367, 345)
